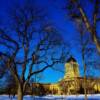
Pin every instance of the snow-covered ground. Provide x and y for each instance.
(51, 97)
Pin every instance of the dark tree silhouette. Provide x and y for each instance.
(30, 42)
(78, 11)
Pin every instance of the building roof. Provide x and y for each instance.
(71, 59)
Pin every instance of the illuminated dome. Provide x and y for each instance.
(71, 59)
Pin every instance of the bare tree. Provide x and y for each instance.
(28, 45)
(91, 21)
(83, 53)
(86, 49)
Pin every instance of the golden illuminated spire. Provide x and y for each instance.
(71, 68)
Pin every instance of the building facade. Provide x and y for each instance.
(71, 83)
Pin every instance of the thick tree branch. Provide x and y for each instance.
(90, 28)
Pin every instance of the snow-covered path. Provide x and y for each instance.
(51, 97)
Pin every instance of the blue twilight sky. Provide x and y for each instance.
(59, 17)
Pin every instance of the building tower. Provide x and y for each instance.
(71, 69)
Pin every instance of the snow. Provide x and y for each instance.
(52, 97)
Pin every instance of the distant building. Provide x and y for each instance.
(72, 83)
(71, 69)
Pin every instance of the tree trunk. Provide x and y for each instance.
(20, 93)
(85, 84)
(85, 87)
